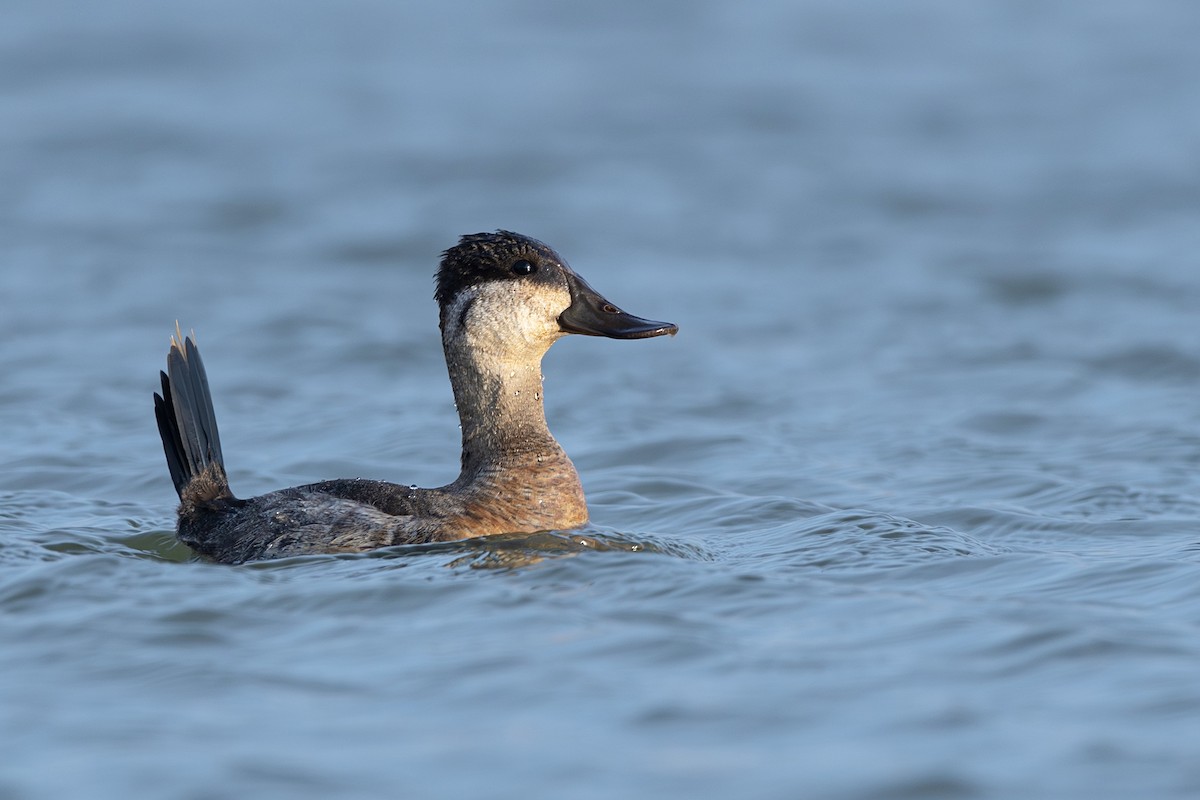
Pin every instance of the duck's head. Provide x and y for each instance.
(510, 286)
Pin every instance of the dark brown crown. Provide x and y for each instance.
(482, 257)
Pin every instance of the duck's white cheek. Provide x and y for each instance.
(542, 315)
(512, 310)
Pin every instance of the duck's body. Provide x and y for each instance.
(504, 299)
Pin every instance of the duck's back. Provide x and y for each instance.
(300, 521)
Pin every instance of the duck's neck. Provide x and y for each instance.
(504, 432)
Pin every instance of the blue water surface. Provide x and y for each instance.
(909, 509)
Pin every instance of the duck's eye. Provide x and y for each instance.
(523, 267)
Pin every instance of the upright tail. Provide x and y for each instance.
(188, 426)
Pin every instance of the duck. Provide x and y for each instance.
(503, 298)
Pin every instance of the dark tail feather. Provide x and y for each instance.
(187, 424)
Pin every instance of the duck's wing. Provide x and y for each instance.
(390, 498)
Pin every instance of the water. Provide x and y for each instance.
(908, 509)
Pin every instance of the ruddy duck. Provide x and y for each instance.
(504, 299)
